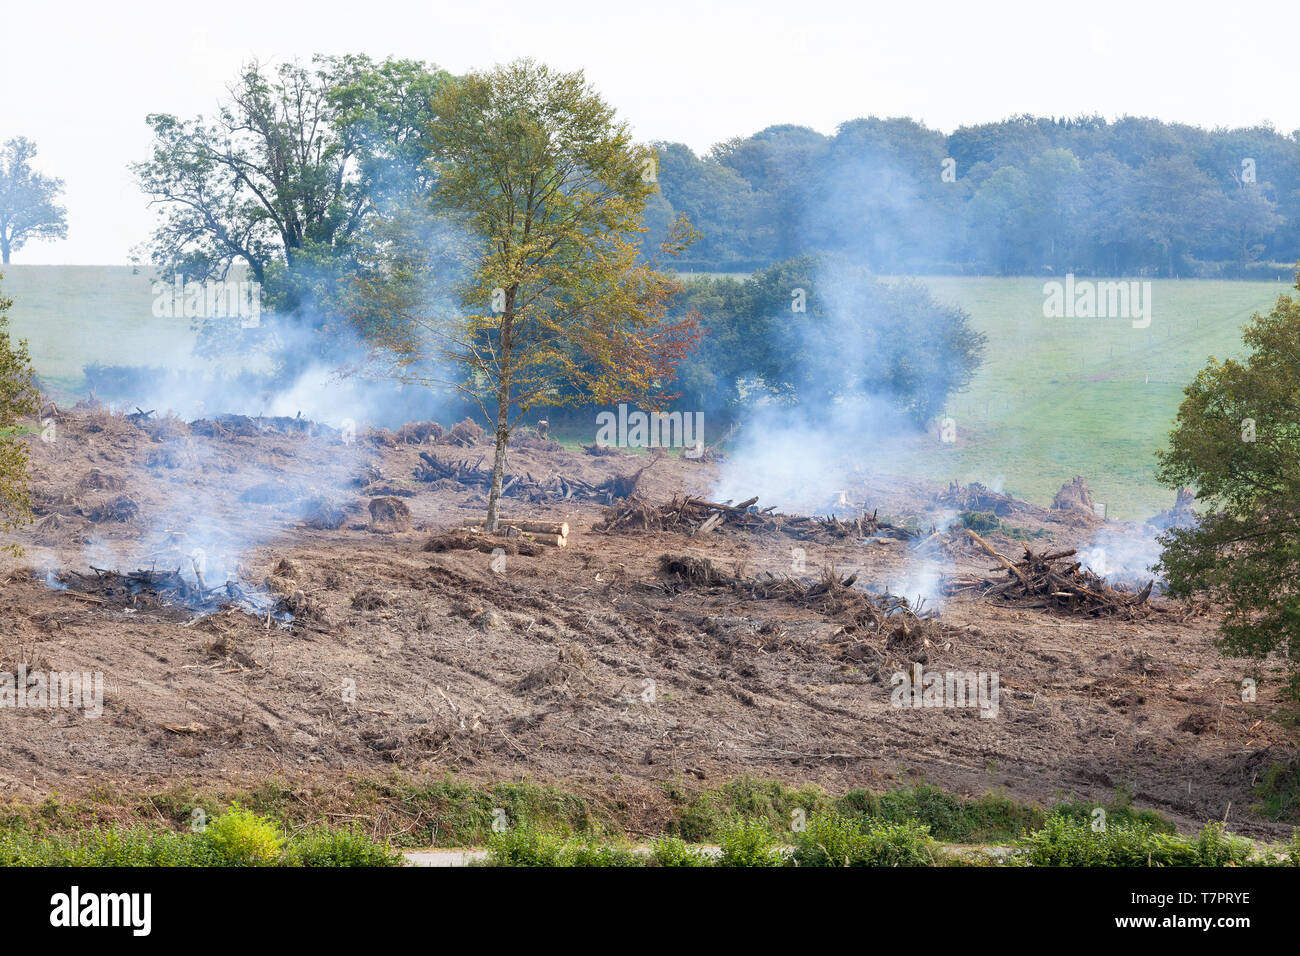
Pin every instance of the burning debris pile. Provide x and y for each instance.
(524, 486)
(1049, 580)
(1181, 515)
(976, 497)
(905, 630)
(1075, 497)
(150, 589)
(245, 426)
(695, 516)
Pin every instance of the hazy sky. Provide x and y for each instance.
(78, 78)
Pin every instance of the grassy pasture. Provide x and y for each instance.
(75, 315)
(1095, 397)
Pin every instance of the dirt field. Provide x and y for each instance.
(398, 656)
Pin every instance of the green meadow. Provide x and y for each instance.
(1094, 397)
(72, 316)
(1055, 397)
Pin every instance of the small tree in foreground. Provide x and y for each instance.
(1237, 442)
(550, 190)
(19, 399)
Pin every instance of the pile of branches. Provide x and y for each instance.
(245, 426)
(150, 588)
(524, 486)
(976, 497)
(695, 516)
(887, 616)
(432, 468)
(1052, 581)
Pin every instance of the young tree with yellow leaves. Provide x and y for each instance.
(557, 307)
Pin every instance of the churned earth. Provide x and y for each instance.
(350, 649)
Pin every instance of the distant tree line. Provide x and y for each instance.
(1025, 196)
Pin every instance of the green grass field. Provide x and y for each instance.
(74, 315)
(1055, 398)
(1094, 397)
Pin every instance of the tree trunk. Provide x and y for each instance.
(499, 459)
(4, 252)
(503, 414)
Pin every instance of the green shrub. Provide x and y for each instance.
(1119, 811)
(1214, 847)
(950, 818)
(673, 851)
(832, 839)
(1290, 851)
(979, 521)
(107, 847)
(701, 816)
(1064, 841)
(590, 850)
(323, 847)
(1279, 793)
(747, 842)
(240, 837)
(525, 845)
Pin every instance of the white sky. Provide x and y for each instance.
(79, 77)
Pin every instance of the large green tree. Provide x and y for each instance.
(288, 176)
(1236, 441)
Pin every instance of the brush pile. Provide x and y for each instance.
(976, 497)
(244, 426)
(695, 516)
(148, 588)
(1052, 581)
(887, 616)
(524, 486)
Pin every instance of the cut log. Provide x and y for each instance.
(998, 556)
(488, 544)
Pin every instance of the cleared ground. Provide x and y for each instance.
(427, 661)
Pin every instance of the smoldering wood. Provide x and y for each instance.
(698, 516)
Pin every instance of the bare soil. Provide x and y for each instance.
(430, 661)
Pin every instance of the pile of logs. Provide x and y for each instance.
(696, 516)
(554, 533)
(513, 536)
(1052, 581)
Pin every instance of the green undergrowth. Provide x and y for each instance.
(749, 821)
